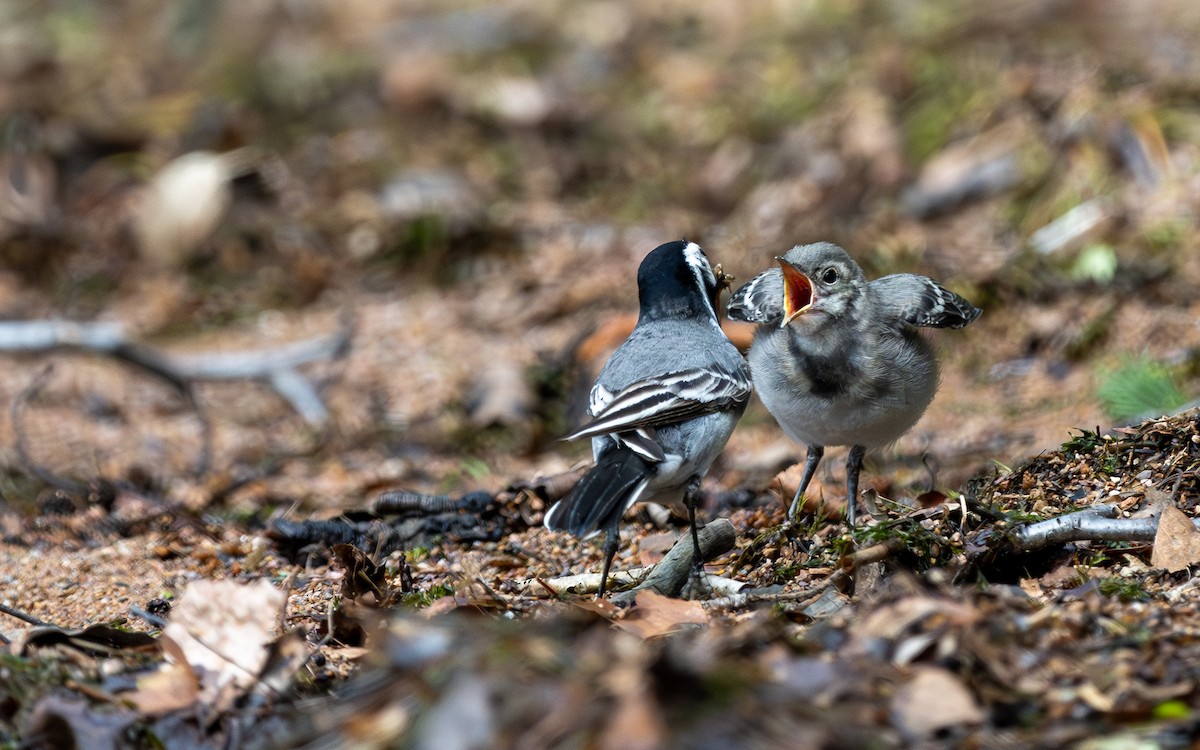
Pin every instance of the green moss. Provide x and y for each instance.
(422, 599)
(1125, 589)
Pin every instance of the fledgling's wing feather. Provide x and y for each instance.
(760, 300)
(909, 299)
(667, 399)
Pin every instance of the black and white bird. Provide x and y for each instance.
(838, 359)
(663, 406)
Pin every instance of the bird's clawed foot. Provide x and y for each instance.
(697, 586)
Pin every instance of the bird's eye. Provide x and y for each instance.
(829, 276)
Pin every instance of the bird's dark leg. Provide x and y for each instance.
(854, 463)
(691, 497)
(815, 452)
(612, 540)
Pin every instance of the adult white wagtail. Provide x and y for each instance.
(837, 359)
(664, 404)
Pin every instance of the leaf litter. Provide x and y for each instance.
(495, 173)
(1079, 645)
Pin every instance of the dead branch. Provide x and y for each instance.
(671, 573)
(822, 602)
(275, 366)
(667, 577)
(583, 583)
(23, 616)
(1092, 524)
(874, 553)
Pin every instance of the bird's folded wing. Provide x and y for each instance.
(909, 299)
(760, 300)
(667, 399)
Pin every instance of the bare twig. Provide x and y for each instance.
(399, 502)
(1094, 524)
(872, 554)
(23, 616)
(150, 617)
(275, 366)
(743, 600)
(671, 573)
(584, 583)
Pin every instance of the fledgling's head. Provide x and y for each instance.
(675, 280)
(821, 284)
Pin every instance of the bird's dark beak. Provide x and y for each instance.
(798, 296)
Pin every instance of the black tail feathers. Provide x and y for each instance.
(609, 488)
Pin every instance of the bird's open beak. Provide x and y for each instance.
(798, 296)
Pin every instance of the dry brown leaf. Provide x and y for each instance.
(654, 547)
(602, 607)
(932, 700)
(787, 482)
(1177, 543)
(892, 620)
(181, 207)
(60, 720)
(657, 615)
(224, 631)
(171, 687)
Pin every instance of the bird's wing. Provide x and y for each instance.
(643, 441)
(666, 399)
(599, 398)
(909, 299)
(760, 300)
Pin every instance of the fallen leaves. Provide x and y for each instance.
(220, 645)
(657, 615)
(932, 701)
(1177, 543)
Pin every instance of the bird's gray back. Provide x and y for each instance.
(682, 345)
(690, 445)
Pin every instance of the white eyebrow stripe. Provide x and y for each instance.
(701, 268)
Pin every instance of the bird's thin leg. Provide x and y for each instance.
(691, 497)
(612, 540)
(854, 463)
(815, 452)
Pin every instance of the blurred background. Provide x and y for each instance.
(472, 186)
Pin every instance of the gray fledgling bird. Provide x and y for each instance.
(663, 406)
(837, 359)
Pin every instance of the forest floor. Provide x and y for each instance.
(442, 210)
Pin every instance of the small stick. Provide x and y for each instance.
(667, 577)
(11, 612)
(671, 573)
(583, 583)
(740, 601)
(275, 366)
(872, 554)
(1092, 524)
(150, 617)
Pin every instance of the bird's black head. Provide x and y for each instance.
(676, 281)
